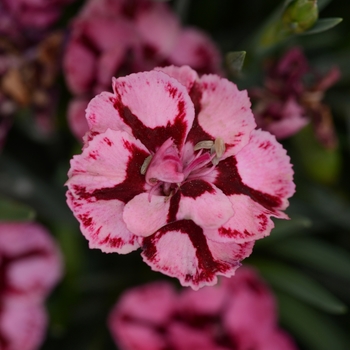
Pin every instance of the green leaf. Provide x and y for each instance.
(286, 228)
(234, 61)
(317, 254)
(300, 286)
(321, 165)
(333, 207)
(13, 211)
(322, 25)
(314, 329)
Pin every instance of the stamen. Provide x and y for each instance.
(207, 144)
(219, 146)
(218, 149)
(146, 164)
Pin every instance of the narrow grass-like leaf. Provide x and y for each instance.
(299, 285)
(313, 328)
(317, 254)
(322, 25)
(284, 229)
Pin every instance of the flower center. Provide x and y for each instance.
(167, 169)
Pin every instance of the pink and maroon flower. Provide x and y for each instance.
(30, 266)
(118, 37)
(172, 164)
(237, 314)
(291, 98)
(33, 14)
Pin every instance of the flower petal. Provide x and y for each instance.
(181, 250)
(101, 115)
(101, 222)
(108, 168)
(146, 214)
(76, 117)
(264, 166)
(22, 323)
(222, 111)
(185, 75)
(250, 222)
(159, 27)
(155, 106)
(104, 177)
(79, 66)
(195, 48)
(205, 204)
(253, 307)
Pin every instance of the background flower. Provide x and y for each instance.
(114, 38)
(292, 96)
(239, 313)
(30, 266)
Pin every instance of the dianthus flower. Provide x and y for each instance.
(30, 266)
(292, 96)
(172, 164)
(33, 14)
(237, 314)
(118, 37)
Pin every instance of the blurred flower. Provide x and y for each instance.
(30, 266)
(33, 14)
(118, 37)
(170, 165)
(238, 314)
(292, 97)
(29, 63)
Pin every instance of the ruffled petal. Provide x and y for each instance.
(181, 250)
(205, 204)
(101, 115)
(110, 159)
(250, 222)
(264, 166)
(102, 179)
(222, 112)
(101, 222)
(155, 106)
(146, 214)
(185, 75)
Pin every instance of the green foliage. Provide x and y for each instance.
(300, 286)
(11, 210)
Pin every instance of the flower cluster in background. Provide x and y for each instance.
(238, 313)
(116, 38)
(292, 97)
(30, 266)
(164, 117)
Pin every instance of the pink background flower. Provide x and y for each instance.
(170, 165)
(34, 14)
(30, 266)
(291, 98)
(237, 314)
(117, 37)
